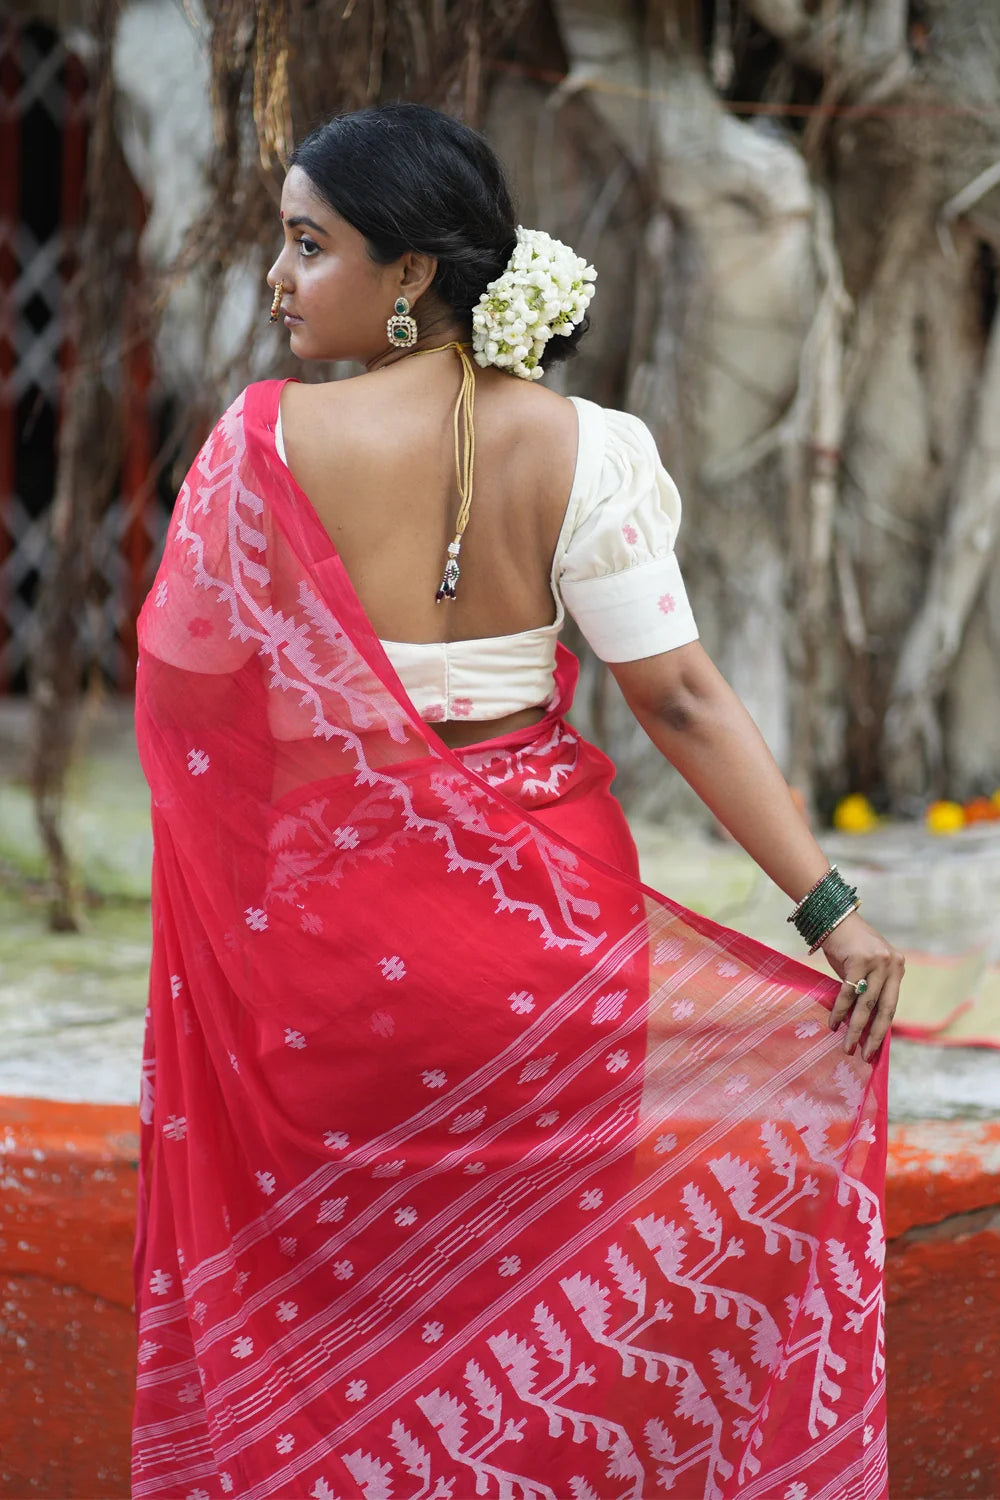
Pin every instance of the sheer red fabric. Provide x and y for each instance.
(470, 1165)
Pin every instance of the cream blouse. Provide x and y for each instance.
(614, 570)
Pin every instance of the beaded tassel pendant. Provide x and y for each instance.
(465, 456)
(449, 581)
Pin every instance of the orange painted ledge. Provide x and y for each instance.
(67, 1330)
(943, 1310)
(67, 1342)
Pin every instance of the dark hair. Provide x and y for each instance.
(411, 178)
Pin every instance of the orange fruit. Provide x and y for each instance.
(982, 810)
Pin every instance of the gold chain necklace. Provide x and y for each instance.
(465, 459)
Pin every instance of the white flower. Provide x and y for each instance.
(357, 1390)
(592, 1198)
(266, 1182)
(510, 1265)
(287, 1312)
(434, 1078)
(664, 1143)
(545, 289)
(406, 1216)
(189, 1392)
(432, 1332)
(337, 1140)
(343, 1269)
(285, 1443)
(241, 1347)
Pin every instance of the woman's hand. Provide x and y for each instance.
(856, 951)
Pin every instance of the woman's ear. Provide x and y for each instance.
(419, 271)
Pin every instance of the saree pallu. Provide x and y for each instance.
(470, 1165)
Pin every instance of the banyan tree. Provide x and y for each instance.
(794, 209)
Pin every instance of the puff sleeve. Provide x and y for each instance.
(618, 574)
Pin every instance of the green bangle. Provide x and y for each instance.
(829, 901)
(821, 940)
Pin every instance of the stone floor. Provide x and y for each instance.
(71, 1006)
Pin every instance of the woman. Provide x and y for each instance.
(470, 1164)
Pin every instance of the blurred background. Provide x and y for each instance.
(794, 209)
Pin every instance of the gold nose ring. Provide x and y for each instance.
(276, 304)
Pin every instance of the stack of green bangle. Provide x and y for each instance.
(829, 902)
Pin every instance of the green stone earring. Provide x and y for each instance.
(401, 328)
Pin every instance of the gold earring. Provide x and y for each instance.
(401, 329)
(276, 304)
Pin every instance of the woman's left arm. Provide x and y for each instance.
(697, 722)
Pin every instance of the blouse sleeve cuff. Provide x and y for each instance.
(636, 613)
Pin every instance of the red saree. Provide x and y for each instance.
(470, 1165)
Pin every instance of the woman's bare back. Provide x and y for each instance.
(376, 456)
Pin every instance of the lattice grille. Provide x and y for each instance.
(43, 122)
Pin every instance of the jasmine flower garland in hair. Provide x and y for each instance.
(545, 290)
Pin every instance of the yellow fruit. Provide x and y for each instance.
(945, 817)
(854, 814)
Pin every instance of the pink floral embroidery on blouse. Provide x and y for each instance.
(630, 534)
(433, 713)
(667, 603)
(463, 707)
(200, 627)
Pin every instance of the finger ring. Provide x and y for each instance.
(860, 987)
